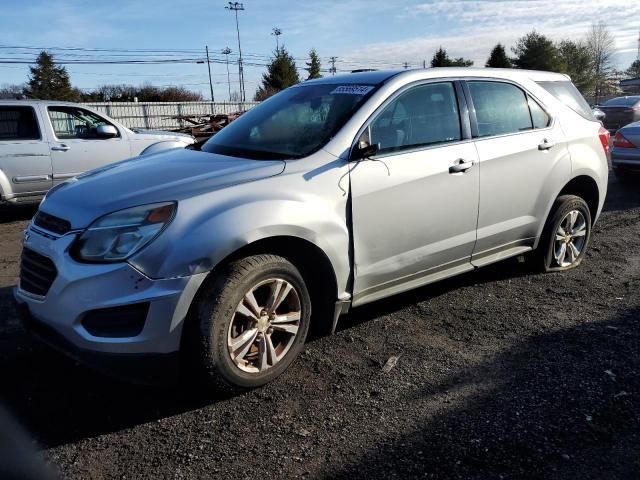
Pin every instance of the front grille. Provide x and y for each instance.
(37, 272)
(51, 223)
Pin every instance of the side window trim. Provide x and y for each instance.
(463, 113)
(35, 119)
(475, 133)
(58, 139)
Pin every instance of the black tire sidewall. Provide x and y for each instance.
(562, 207)
(216, 312)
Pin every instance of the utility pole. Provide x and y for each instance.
(276, 32)
(424, 64)
(226, 53)
(333, 65)
(235, 7)
(206, 47)
(406, 65)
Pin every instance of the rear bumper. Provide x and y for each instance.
(625, 157)
(155, 368)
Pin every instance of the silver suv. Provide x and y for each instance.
(330, 195)
(43, 143)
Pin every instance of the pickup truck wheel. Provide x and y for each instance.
(253, 321)
(566, 235)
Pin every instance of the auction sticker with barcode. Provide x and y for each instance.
(352, 90)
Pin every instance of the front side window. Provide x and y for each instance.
(73, 122)
(18, 123)
(422, 116)
(292, 124)
(501, 108)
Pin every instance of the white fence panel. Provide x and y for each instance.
(157, 115)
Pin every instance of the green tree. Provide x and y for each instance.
(536, 52)
(313, 66)
(498, 58)
(576, 62)
(634, 70)
(281, 73)
(441, 59)
(49, 82)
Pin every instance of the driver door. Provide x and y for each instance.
(415, 203)
(74, 145)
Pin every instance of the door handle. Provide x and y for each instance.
(60, 148)
(546, 144)
(461, 166)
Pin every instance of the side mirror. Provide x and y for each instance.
(106, 131)
(364, 151)
(599, 114)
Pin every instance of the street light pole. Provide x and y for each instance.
(226, 53)
(235, 7)
(276, 32)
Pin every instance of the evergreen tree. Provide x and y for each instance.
(634, 70)
(498, 58)
(281, 74)
(536, 52)
(441, 59)
(49, 82)
(577, 63)
(313, 66)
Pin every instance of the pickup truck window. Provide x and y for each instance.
(421, 116)
(72, 122)
(18, 123)
(292, 124)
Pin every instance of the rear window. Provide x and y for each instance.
(18, 123)
(622, 102)
(568, 94)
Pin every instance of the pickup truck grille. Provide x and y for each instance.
(51, 223)
(37, 272)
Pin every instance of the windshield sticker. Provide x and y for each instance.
(352, 90)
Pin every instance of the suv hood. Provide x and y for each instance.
(144, 134)
(170, 175)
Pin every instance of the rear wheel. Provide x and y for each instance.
(566, 234)
(252, 320)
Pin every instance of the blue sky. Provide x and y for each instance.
(376, 33)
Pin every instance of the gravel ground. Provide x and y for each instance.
(501, 374)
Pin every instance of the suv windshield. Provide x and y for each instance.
(292, 124)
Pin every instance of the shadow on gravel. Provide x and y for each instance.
(504, 270)
(59, 401)
(15, 213)
(559, 405)
(622, 195)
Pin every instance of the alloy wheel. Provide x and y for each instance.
(570, 239)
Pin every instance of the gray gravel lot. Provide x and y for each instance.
(501, 374)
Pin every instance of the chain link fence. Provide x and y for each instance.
(158, 115)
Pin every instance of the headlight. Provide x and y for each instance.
(119, 235)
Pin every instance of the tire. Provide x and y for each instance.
(233, 307)
(550, 248)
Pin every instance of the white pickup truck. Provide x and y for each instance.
(43, 143)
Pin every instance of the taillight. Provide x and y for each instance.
(621, 141)
(604, 135)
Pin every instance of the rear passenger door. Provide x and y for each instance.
(25, 165)
(415, 204)
(521, 150)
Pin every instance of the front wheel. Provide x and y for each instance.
(252, 320)
(566, 235)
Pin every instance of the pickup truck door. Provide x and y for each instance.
(25, 165)
(75, 146)
(415, 203)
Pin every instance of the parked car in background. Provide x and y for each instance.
(625, 152)
(332, 194)
(43, 143)
(620, 111)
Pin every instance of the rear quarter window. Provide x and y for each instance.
(18, 123)
(568, 94)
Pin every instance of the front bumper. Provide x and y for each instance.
(80, 288)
